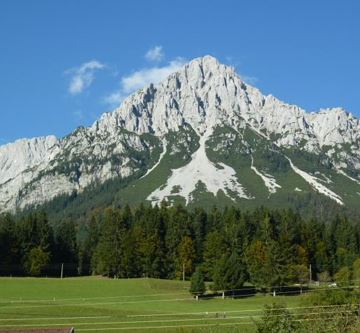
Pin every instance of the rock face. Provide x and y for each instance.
(203, 96)
(22, 161)
(206, 93)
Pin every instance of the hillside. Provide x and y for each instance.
(201, 137)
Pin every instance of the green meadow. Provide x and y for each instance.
(95, 304)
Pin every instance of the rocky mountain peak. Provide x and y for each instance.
(203, 94)
(200, 70)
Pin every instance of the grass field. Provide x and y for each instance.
(95, 304)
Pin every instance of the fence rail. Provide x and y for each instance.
(51, 270)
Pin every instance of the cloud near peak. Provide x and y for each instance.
(155, 54)
(83, 76)
(142, 78)
(145, 76)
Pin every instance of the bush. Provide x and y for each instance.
(276, 319)
(343, 277)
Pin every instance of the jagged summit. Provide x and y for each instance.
(205, 93)
(203, 96)
(200, 69)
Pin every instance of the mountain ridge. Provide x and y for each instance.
(203, 96)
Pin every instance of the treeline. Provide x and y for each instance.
(229, 247)
(31, 246)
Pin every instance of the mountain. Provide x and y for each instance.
(202, 136)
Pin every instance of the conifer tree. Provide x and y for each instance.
(229, 273)
(197, 286)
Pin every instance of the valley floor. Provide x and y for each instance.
(95, 304)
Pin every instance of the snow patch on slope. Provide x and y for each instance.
(164, 143)
(269, 181)
(327, 179)
(347, 176)
(314, 182)
(200, 169)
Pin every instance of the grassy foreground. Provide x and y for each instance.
(94, 304)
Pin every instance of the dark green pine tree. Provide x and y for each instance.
(258, 260)
(149, 237)
(65, 243)
(346, 243)
(88, 245)
(9, 245)
(214, 247)
(200, 226)
(34, 231)
(108, 257)
(177, 227)
(230, 273)
(197, 285)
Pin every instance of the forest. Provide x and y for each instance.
(227, 247)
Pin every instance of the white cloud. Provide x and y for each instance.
(155, 54)
(146, 76)
(83, 76)
(142, 78)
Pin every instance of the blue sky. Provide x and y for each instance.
(64, 63)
